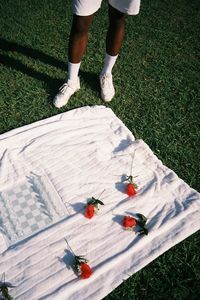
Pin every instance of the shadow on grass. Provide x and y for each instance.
(52, 84)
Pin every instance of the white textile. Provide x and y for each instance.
(61, 162)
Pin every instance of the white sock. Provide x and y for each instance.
(73, 70)
(108, 64)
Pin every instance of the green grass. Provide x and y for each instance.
(157, 82)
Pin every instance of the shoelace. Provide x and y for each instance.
(105, 81)
(64, 87)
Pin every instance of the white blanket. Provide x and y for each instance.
(54, 166)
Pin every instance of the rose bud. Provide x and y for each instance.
(129, 222)
(89, 212)
(130, 189)
(85, 270)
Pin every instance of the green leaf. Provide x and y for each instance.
(6, 284)
(5, 293)
(130, 178)
(142, 218)
(139, 223)
(80, 259)
(91, 201)
(143, 230)
(95, 201)
(99, 202)
(75, 266)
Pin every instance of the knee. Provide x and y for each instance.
(81, 25)
(116, 18)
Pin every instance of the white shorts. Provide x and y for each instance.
(89, 7)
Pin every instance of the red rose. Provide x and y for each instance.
(85, 270)
(130, 189)
(89, 212)
(129, 222)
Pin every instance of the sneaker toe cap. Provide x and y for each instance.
(59, 101)
(107, 96)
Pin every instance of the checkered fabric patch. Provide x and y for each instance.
(26, 208)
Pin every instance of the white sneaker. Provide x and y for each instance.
(107, 88)
(65, 92)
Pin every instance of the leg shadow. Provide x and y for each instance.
(33, 53)
(90, 79)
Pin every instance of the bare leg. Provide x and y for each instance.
(115, 32)
(114, 40)
(77, 46)
(78, 37)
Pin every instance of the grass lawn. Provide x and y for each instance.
(157, 80)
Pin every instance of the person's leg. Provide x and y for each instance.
(77, 46)
(117, 11)
(78, 39)
(115, 32)
(114, 38)
(83, 13)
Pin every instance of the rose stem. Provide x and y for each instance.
(69, 246)
(132, 163)
(101, 193)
